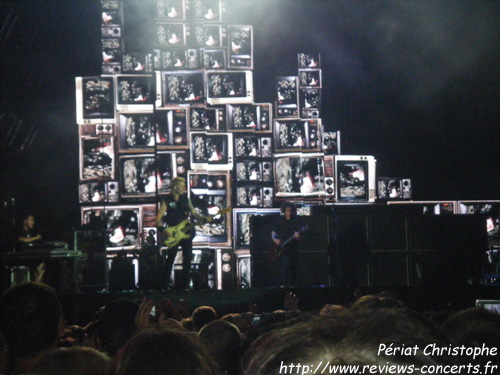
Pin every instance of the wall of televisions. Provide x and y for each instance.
(186, 108)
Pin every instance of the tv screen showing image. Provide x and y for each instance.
(355, 178)
(298, 174)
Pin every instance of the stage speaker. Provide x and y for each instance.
(121, 274)
(92, 272)
(265, 272)
(313, 268)
(388, 232)
(389, 269)
(316, 238)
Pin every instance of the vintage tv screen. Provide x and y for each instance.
(97, 158)
(146, 175)
(137, 131)
(298, 174)
(174, 10)
(211, 151)
(310, 78)
(171, 34)
(180, 87)
(176, 58)
(309, 60)
(207, 119)
(95, 100)
(331, 143)
(121, 223)
(207, 10)
(240, 47)
(297, 135)
(134, 93)
(389, 188)
(355, 178)
(214, 59)
(172, 127)
(227, 87)
(310, 102)
(210, 193)
(208, 35)
(287, 96)
(249, 117)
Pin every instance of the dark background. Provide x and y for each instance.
(414, 83)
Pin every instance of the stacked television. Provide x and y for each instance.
(184, 106)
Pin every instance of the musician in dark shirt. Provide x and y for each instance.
(174, 209)
(286, 234)
(27, 233)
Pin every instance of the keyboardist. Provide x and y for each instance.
(27, 233)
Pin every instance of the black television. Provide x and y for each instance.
(137, 131)
(97, 158)
(134, 93)
(179, 87)
(174, 10)
(95, 100)
(297, 135)
(172, 128)
(241, 224)
(207, 118)
(287, 95)
(249, 117)
(240, 47)
(176, 58)
(252, 146)
(208, 35)
(171, 34)
(207, 10)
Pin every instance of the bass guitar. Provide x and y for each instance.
(276, 251)
(181, 231)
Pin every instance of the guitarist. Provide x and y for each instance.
(287, 226)
(174, 209)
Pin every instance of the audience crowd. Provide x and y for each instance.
(378, 333)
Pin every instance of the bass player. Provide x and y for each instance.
(174, 209)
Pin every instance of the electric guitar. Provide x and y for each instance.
(181, 231)
(276, 251)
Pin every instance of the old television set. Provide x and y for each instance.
(134, 93)
(287, 94)
(241, 223)
(97, 158)
(310, 78)
(172, 34)
(136, 63)
(431, 207)
(92, 192)
(228, 87)
(211, 151)
(210, 193)
(208, 35)
(207, 118)
(240, 47)
(111, 13)
(490, 209)
(122, 224)
(299, 174)
(310, 102)
(182, 87)
(254, 195)
(331, 142)
(95, 100)
(172, 128)
(249, 117)
(253, 171)
(112, 53)
(356, 181)
(137, 131)
(174, 10)
(489, 304)
(309, 60)
(214, 58)
(392, 188)
(252, 146)
(176, 58)
(146, 175)
(297, 135)
(207, 10)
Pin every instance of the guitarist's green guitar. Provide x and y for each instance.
(181, 231)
